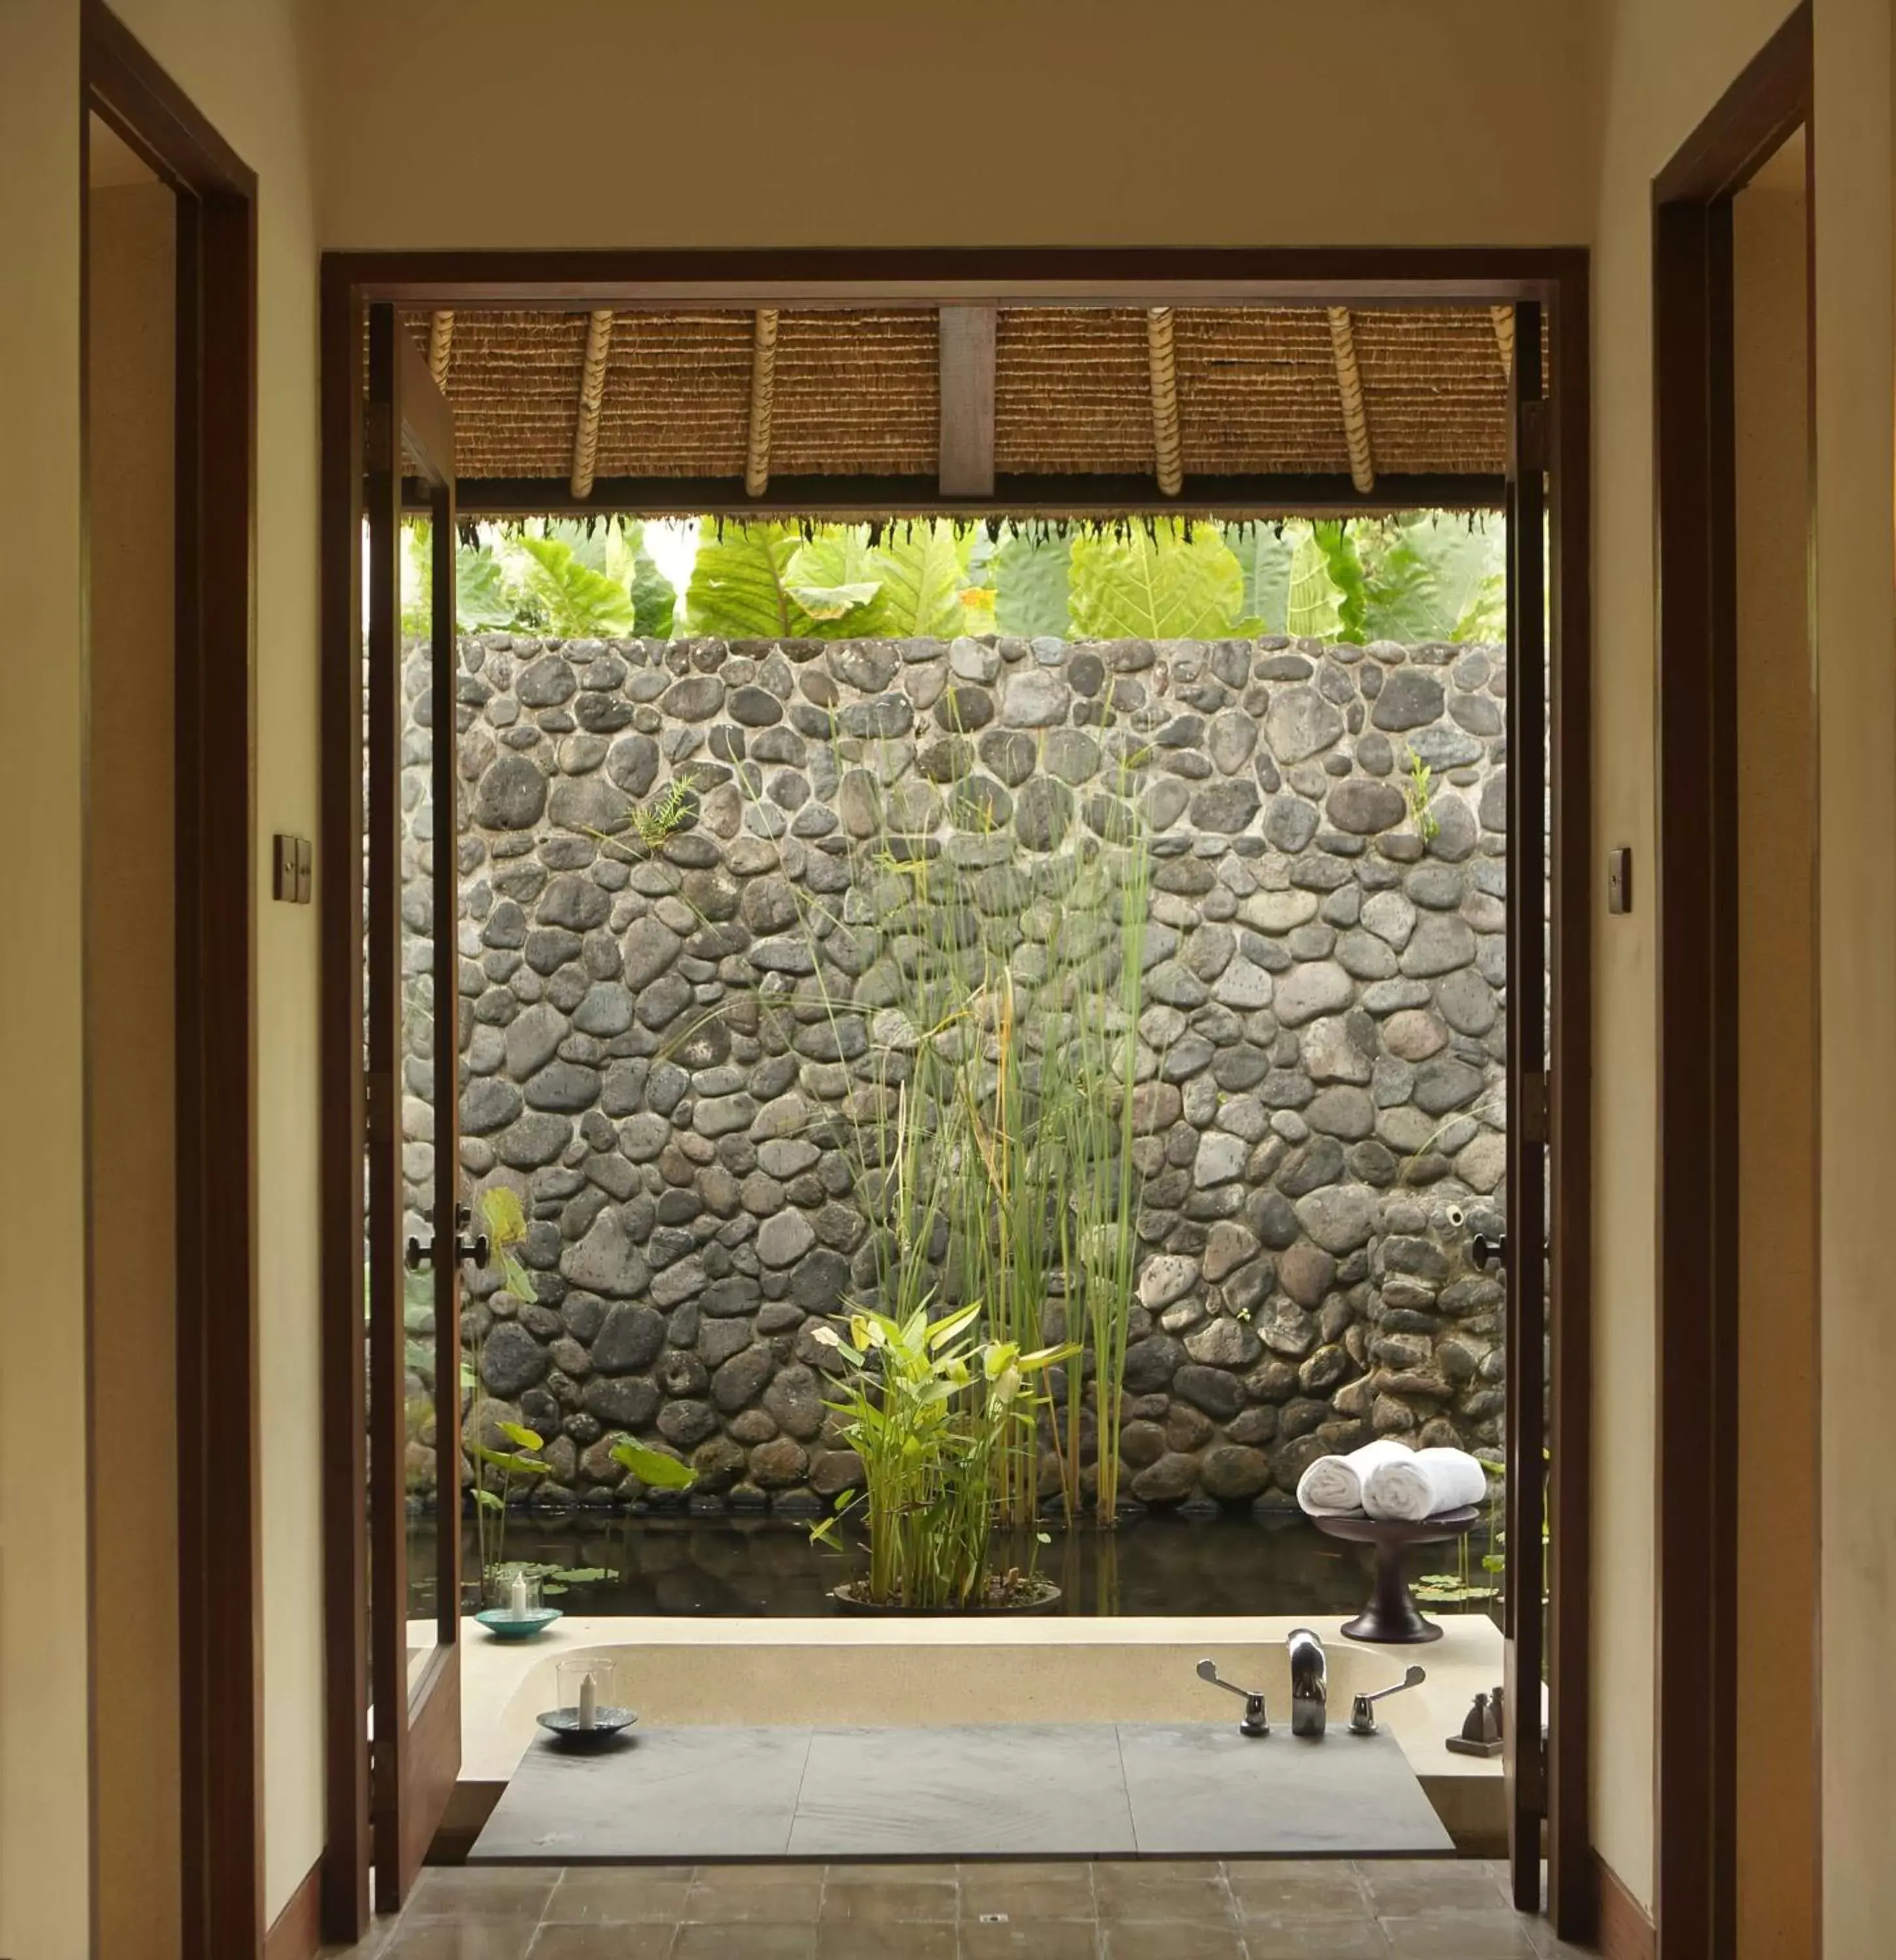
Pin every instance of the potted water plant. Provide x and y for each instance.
(930, 1409)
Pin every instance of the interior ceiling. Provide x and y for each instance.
(626, 409)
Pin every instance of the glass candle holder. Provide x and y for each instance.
(514, 1591)
(589, 1686)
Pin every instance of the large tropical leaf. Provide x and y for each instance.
(1264, 552)
(834, 578)
(575, 601)
(1312, 609)
(923, 567)
(737, 587)
(1032, 571)
(1157, 585)
(654, 598)
(1436, 578)
(481, 599)
(1345, 567)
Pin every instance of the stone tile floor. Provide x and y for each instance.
(1133, 1910)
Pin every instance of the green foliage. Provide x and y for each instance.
(655, 821)
(506, 1223)
(1418, 791)
(923, 567)
(930, 1406)
(1032, 571)
(835, 578)
(738, 586)
(654, 603)
(1313, 605)
(1264, 552)
(1155, 584)
(481, 602)
(652, 1467)
(569, 597)
(1431, 577)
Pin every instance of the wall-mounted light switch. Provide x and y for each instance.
(292, 860)
(1619, 880)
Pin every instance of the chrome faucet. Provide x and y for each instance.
(1362, 1706)
(1309, 1690)
(1255, 1725)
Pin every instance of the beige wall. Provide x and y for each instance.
(1040, 122)
(1775, 787)
(240, 61)
(130, 903)
(1661, 65)
(43, 1722)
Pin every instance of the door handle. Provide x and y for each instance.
(1485, 1252)
(476, 1251)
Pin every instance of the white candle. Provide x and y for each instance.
(517, 1603)
(588, 1702)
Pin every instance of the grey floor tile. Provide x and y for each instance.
(1025, 1786)
(461, 1939)
(1458, 1936)
(1303, 1888)
(1316, 1940)
(1029, 1940)
(600, 1942)
(459, 1892)
(886, 1939)
(1020, 1889)
(1144, 1892)
(767, 1895)
(1411, 1887)
(909, 1902)
(620, 1894)
(756, 1942)
(1176, 1939)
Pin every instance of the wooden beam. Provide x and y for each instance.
(1081, 497)
(965, 464)
(592, 394)
(441, 344)
(1503, 318)
(1355, 416)
(763, 386)
(1168, 464)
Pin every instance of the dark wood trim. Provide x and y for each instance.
(219, 1454)
(1556, 277)
(1625, 1931)
(1767, 102)
(1230, 496)
(1022, 276)
(345, 1612)
(965, 361)
(296, 1931)
(1695, 1686)
(1527, 1086)
(1570, 1891)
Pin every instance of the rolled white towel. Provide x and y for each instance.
(1334, 1483)
(1423, 1484)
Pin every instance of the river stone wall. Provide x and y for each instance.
(1320, 1124)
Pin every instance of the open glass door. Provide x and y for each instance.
(416, 1228)
(1523, 1622)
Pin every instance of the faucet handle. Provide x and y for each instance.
(1362, 1706)
(1254, 1724)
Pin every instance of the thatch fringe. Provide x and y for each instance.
(441, 345)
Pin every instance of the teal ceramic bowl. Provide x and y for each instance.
(507, 1626)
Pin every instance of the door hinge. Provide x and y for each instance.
(1535, 1127)
(1530, 435)
(378, 438)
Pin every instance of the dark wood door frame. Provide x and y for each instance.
(221, 1685)
(1556, 278)
(1696, 1699)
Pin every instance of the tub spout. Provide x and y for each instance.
(1309, 1690)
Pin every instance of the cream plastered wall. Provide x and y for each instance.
(44, 1721)
(1777, 786)
(242, 62)
(1660, 66)
(130, 902)
(1040, 122)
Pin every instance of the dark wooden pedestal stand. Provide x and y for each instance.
(1391, 1617)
